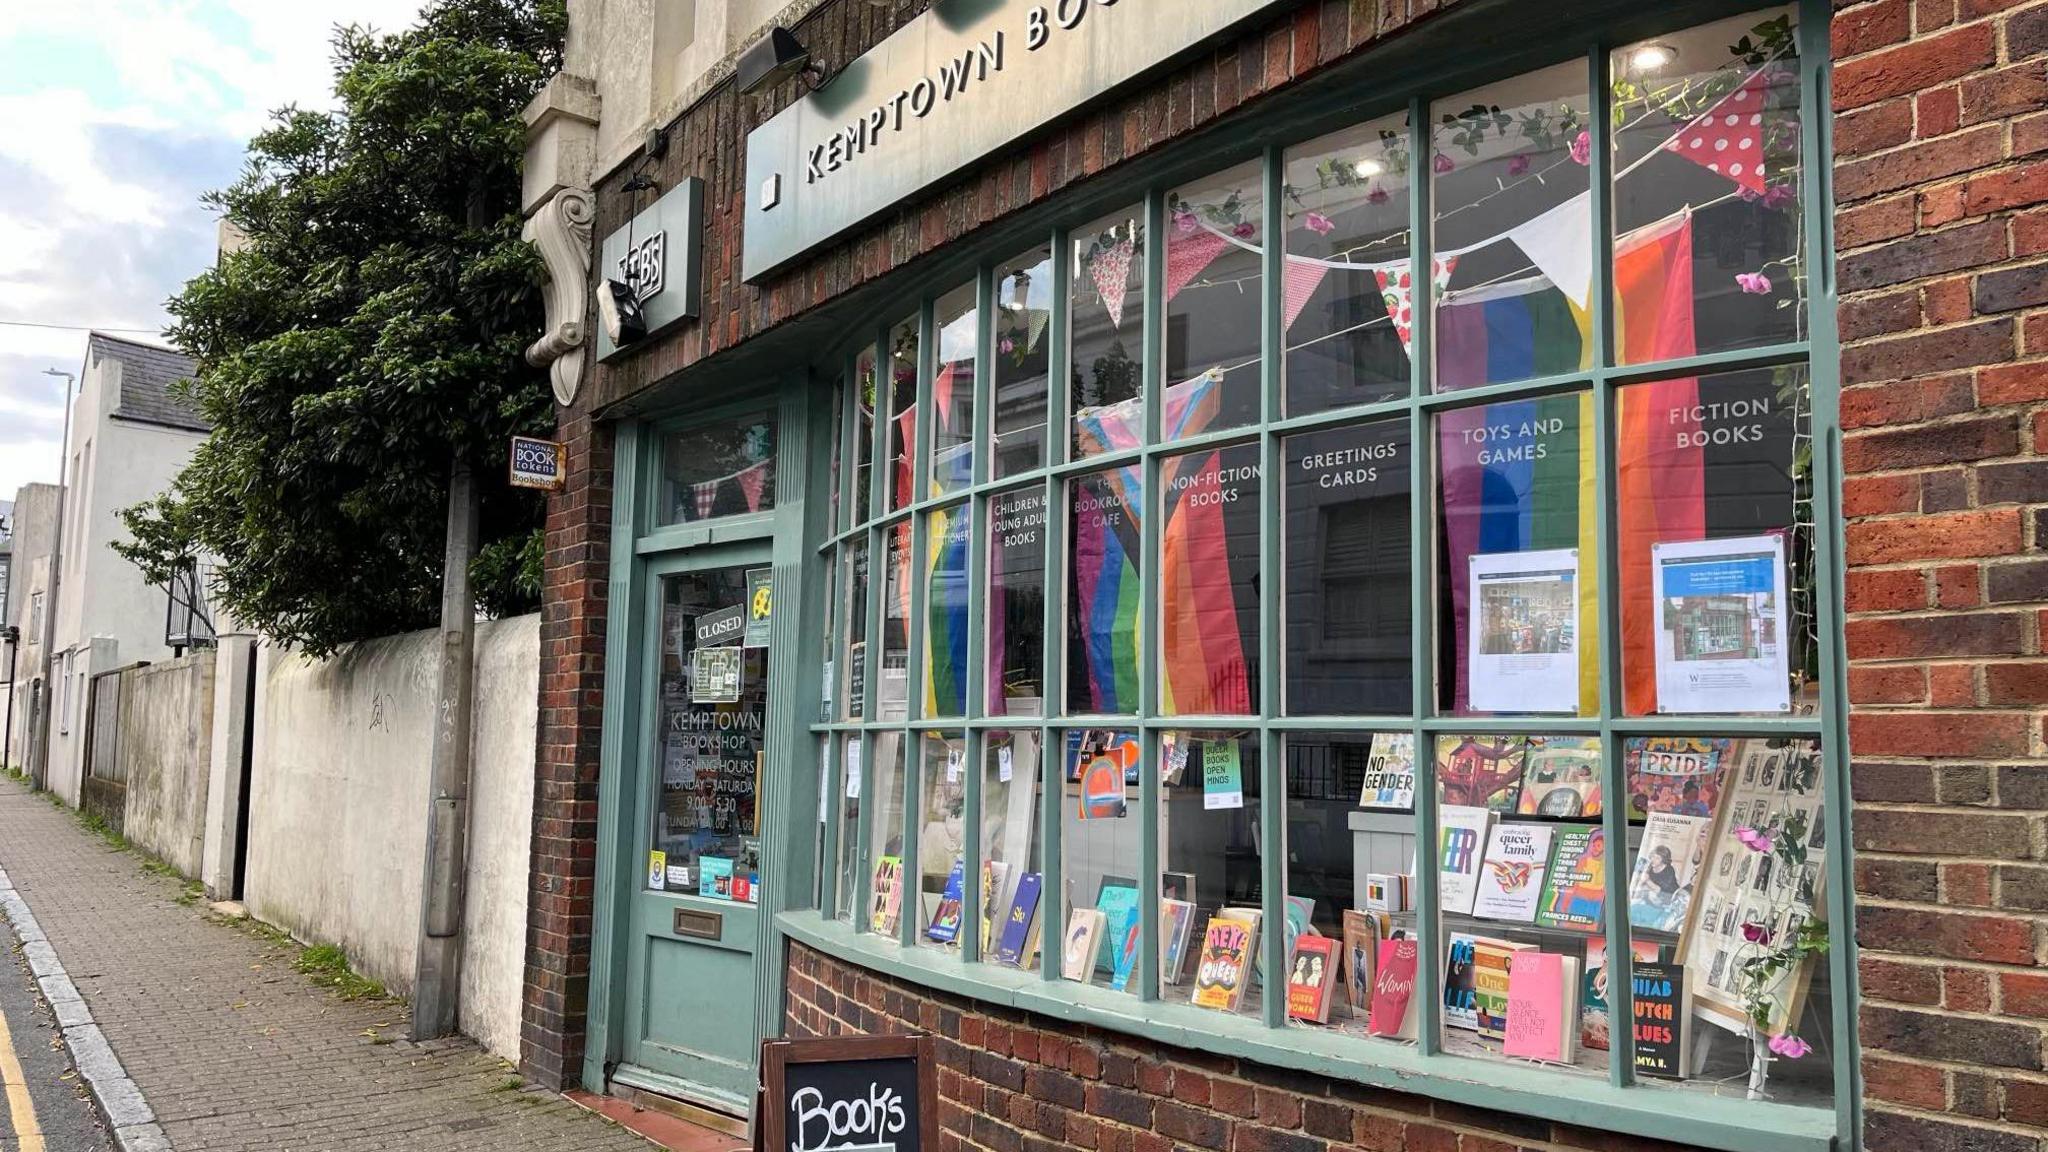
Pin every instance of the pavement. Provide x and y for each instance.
(227, 1046)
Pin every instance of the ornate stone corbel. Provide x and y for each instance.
(561, 230)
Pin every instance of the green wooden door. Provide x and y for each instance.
(693, 917)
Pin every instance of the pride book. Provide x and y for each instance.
(1077, 948)
(1593, 1014)
(1312, 979)
(1666, 874)
(1461, 850)
(1226, 965)
(1176, 928)
(1510, 883)
(1014, 945)
(1543, 1008)
(1493, 964)
(1461, 994)
(886, 899)
(945, 924)
(1393, 990)
(1663, 1025)
(1575, 890)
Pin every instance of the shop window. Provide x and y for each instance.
(1016, 603)
(723, 468)
(1021, 356)
(1629, 696)
(847, 866)
(865, 398)
(833, 513)
(1106, 318)
(1346, 207)
(953, 390)
(706, 835)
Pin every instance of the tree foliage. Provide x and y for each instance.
(369, 330)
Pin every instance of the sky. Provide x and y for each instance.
(115, 116)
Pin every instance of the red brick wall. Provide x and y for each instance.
(1010, 1081)
(1941, 169)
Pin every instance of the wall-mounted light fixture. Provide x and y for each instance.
(618, 309)
(772, 59)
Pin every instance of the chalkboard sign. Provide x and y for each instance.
(849, 1094)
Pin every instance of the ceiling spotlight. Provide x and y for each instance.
(1367, 169)
(618, 309)
(1651, 57)
(772, 59)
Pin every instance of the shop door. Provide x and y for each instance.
(694, 919)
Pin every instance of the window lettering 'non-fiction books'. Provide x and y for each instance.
(1389, 772)
(886, 897)
(1663, 1023)
(1226, 964)
(945, 925)
(1015, 942)
(1511, 882)
(1312, 979)
(1393, 990)
(1480, 771)
(1561, 777)
(1575, 889)
(1660, 889)
(1461, 850)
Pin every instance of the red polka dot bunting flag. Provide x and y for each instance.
(1728, 138)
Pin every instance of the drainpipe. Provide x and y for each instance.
(437, 972)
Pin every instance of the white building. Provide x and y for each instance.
(130, 437)
(34, 525)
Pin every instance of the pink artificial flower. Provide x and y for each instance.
(1756, 934)
(1244, 229)
(1184, 221)
(1582, 148)
(1749, 195)
(1008, 345)
(1754, 840)
(1754, 283)
(1442, 164)
(1789, 1046)
(1518, 164)
(1318, 223)
(1377, 196)
(1778, 194)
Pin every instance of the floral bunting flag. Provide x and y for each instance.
(1112, 270)
(1188, 253)
(1728, 138)
(1398, 290)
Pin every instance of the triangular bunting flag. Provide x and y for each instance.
(1559, 242)
(1303, 278)
(1397, 288)
(942, 395)
(1187, 254)
(1112, 271)
(1729, 137)
(752, 480)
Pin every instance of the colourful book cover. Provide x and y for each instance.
(1593, 1016)
(1176, 927)
(1575, 890)
(1312, 979)
(1086, 746)
(1511, 883)
(1389, 772)
(1126, 964)
(1561, 777)
(1393, 990)
(1226, 964)
(886, 898)
(1118, 904)
(1492, 962)
(1681, 775)
(945, 925)
(993, 873)
(1361, 953)
(1480, 771)
(1461, 850)
(1461, 1003)
(1016, 937)
(1666, 874)
(1662, 1022)
(1541, 987)
(1077, 949)
(714, 877)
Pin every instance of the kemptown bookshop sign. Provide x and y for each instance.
(964, 80)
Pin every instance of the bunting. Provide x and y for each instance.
(1397, 288)
(1111, 271)
(1303, 278)
(1187, 253)
(1727, 139)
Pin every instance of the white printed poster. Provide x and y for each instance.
(1720, 619)
(1524, 645)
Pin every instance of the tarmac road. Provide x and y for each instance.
(43, 1106)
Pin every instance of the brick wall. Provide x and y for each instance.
(1941, 169)
(1010, 1081)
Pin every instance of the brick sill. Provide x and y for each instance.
(1649, 1110)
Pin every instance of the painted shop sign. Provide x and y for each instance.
(962, 81)
(657, 256)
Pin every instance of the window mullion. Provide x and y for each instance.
(1428, 973)
(1052, 648)
(1151, 852)
(1272, 768)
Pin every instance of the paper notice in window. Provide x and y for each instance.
(1720, 619)
(1524, 643)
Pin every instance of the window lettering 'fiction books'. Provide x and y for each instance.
(1663, 1023)
(1312, 979)
(1561, 777)
(1389, 772)
(1543, 1008)
(886, 901)
(1511, 882)
(1480, 771)
(1014, 945)
(1667, 871)
(1461, 850)
(945, 925)
(1575, 891)
(1225, 965)
(1681, 775)
(1393, 990)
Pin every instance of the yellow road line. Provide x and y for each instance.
(21, 1111)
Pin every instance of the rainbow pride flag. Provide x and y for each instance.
(1201, 645)
(1517, 330)
(946, 613)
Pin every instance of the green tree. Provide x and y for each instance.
(369, 330)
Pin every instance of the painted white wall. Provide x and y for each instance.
(35, 526)
(166, 744)
(337, 808)
(113, 464)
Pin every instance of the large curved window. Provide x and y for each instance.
(1410, 648)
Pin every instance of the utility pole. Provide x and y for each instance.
(39, 740)
(437, 973)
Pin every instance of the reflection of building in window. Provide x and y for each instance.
(1719, 627)
(1365, 550)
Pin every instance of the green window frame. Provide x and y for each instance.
(1621, 1103)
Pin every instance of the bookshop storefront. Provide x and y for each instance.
(1261, 620)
